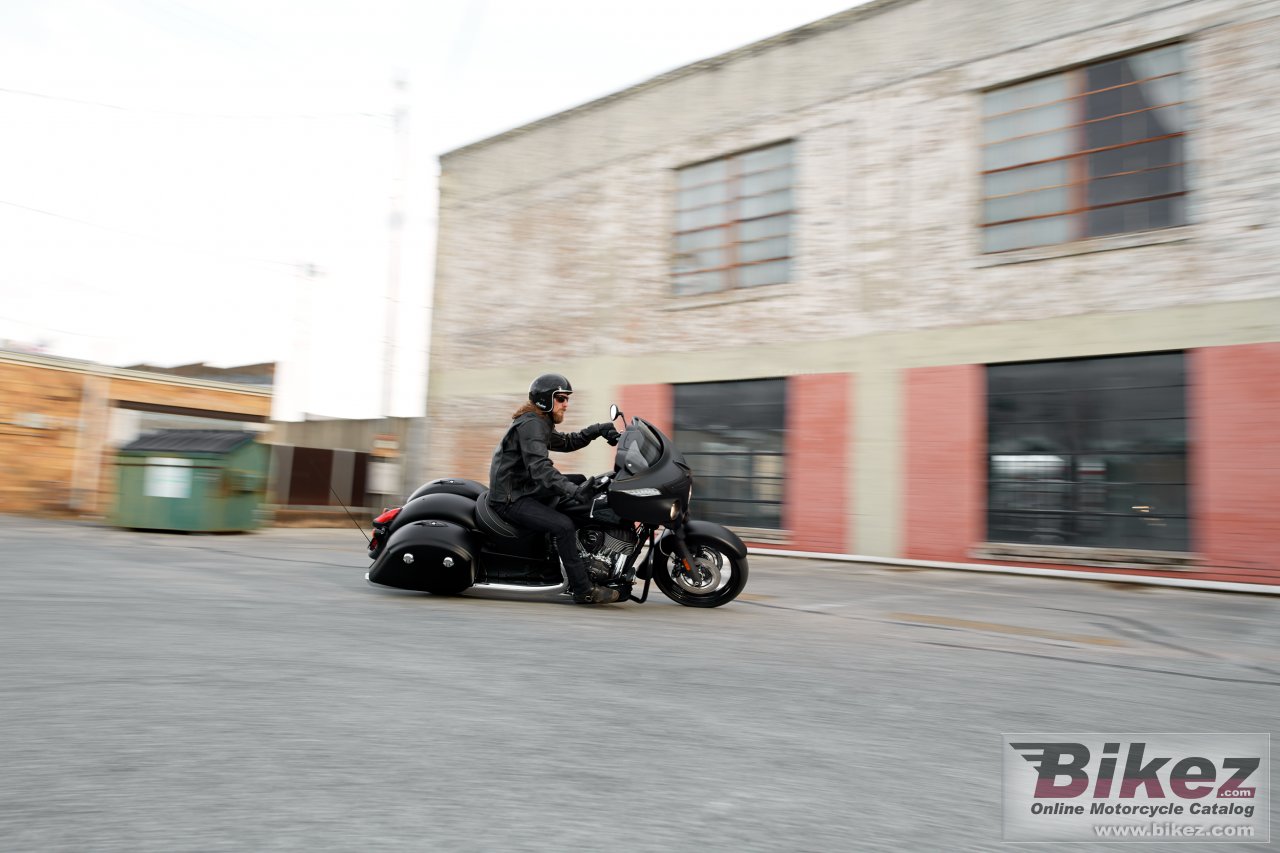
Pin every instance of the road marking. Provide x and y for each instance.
(997, 628)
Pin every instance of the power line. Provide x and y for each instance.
(149, 238)
(181, 114)
(45, 328)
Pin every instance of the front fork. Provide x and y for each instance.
(681, 549)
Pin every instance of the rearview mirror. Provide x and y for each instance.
(615, 412)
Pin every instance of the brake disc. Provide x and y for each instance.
(707, 566)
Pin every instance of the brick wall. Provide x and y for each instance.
(815, 506)
(945, 449)
(54, 414)
(160, 392)
(886, 167)
(39, 428)
(1234, 401)
(654, 403)
(887, 271)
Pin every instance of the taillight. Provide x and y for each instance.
(380, 525)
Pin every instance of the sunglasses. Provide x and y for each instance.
(561, 398)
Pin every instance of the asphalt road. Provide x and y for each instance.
(162, 692)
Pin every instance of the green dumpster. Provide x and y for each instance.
(194, 480)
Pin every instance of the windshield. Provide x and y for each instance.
(639, 449)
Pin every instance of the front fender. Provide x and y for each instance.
(717, 533)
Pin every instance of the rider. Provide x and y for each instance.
(523, 482)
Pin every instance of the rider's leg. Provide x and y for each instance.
(531, 514)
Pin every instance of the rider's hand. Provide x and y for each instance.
(610, 433)
(597, 430)
(584, 493)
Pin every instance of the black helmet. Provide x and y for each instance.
(545, 387)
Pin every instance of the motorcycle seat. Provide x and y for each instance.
(490, 522)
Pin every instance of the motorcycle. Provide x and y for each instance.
(634, 526)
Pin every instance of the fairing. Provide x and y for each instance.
(651, 477)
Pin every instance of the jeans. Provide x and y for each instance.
(531, 514)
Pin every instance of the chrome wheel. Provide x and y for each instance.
(717, 576)
(707, 576)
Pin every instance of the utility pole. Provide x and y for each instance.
(393, 482)
(395, 226)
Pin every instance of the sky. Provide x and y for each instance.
(217, 180)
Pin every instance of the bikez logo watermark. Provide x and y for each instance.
(1137, 787)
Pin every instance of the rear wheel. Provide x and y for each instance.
(717, 576)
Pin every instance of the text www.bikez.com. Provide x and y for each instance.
(1171, 830)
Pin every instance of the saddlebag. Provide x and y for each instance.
(428, 556)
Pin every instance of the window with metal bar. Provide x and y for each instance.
(1089, 452)
(731, 434)
(733, 221)
(1092, 151)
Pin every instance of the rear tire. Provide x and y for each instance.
(721, 576)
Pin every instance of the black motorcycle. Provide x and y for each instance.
(446, 539)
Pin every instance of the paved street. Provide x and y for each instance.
(162, 692)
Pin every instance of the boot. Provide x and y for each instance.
(597, 595)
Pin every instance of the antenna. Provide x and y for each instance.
(348, 512)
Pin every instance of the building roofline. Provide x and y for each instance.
(73, 365)
(801, 33)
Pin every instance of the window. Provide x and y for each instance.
(1093, 151)
(1089, 452)
(731, 434)
(733, 222)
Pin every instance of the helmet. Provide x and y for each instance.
(545, 387)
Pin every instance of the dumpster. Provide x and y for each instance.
(193, 480)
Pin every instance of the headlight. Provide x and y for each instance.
(641, 493)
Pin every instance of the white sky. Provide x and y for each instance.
(167, 167)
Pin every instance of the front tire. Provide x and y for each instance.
(720, 576)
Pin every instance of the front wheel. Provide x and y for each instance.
(717, 577)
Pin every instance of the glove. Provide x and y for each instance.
(605, 429)
(584, 493)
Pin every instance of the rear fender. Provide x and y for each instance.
(439, 506)
(448, 485)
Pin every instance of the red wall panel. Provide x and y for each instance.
(654, 403)
(945, 490)
(815, 504)
(1234, 403)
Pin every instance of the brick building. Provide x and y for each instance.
(62, 419)
(984, 283)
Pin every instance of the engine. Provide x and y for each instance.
(605, 551)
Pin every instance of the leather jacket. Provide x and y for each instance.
(521, 467)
